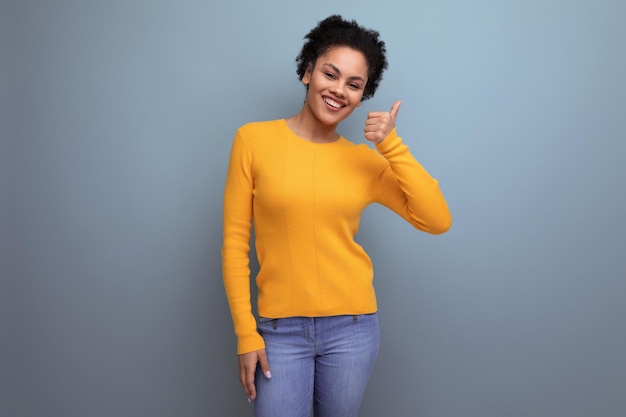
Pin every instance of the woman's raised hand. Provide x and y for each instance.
(379, 124)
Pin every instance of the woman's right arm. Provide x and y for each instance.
(236, 246)
(236, 264)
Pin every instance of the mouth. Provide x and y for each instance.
(333, 104)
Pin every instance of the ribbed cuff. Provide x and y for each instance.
(246, 344)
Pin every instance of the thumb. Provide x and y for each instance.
(265, 366)
(394, 109)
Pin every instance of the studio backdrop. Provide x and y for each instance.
(117, 122)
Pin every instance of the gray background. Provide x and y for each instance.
(117, 119)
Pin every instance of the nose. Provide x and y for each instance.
(338, 89)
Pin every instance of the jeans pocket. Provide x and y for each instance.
(266, 323)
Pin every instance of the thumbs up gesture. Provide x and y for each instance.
(379, 124)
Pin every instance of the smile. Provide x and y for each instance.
(332, 103)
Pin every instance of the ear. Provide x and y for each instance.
(306, 78)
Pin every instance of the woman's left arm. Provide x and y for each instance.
(404, 185)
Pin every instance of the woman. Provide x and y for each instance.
(305, 186)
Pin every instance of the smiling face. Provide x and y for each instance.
(335, 85)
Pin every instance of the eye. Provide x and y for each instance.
(329, 75)
(354, 86)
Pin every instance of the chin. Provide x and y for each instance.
(335, 119)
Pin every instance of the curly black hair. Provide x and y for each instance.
(335, 31)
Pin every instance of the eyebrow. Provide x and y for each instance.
(355, 77)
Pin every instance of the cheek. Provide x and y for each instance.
(308, 98)
(357, 98)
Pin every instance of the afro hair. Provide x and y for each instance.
(335, 31)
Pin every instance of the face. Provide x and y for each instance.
(335, 84)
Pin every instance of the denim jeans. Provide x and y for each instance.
(320, 362)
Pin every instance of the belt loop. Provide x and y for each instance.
(275, 323)
(354, 318)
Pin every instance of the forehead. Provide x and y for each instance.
(349, 61)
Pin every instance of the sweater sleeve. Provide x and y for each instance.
(407, 188)
(236, 246)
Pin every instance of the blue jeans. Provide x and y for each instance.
(321, 362)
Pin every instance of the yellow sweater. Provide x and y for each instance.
(305, 200)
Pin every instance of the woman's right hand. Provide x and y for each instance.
(247, 368)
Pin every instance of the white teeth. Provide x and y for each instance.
(332, 103)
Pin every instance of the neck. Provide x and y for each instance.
(308, 127)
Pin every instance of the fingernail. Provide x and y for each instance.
(268, 374)
(249, 399)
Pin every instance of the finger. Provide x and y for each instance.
(372, 122)
(242, 373)
(247, 367)
(394, 109)
(249, 383)
(382, 123)
(265, 366)
(373, 128)
(376, 114)
(374, 137)
(370, 136)
(242, 378)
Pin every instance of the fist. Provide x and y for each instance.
(379, 124)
